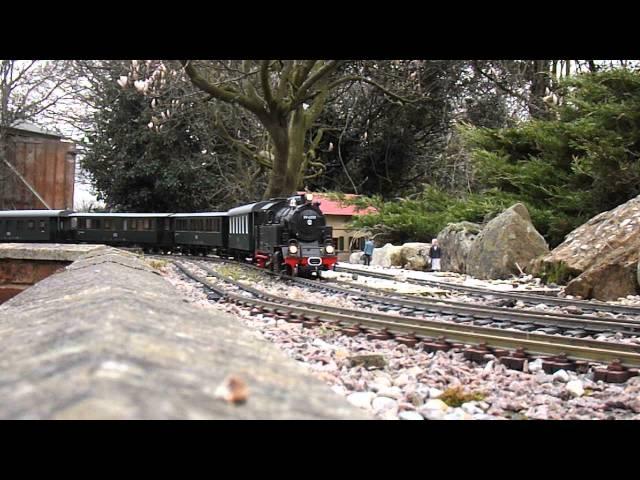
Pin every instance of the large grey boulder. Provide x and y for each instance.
(506, 242)
(414, 256)
(600, 258)
(455, 240)
(387, 256)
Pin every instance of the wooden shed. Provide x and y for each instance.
(42, 173)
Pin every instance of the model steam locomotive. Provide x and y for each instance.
(282, 234)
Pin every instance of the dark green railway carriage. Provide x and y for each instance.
(242, 227)
(201, 232)
(34, 225)
(146, 230)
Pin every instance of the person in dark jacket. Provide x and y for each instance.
(368, 251)
(435, 253)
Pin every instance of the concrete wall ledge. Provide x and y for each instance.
(110, 339)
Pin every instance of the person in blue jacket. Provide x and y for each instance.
(368, 251)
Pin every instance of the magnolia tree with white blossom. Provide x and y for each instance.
(286, 97)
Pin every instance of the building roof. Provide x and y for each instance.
(335, 207)
(34, 129)
(34, 213)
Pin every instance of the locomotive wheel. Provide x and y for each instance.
(292, 271)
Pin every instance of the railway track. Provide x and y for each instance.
(513, 347)
(460, 312)
(586, 306)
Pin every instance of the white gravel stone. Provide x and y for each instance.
(433, 414)
(535, 366)
(561, 376)
(384, 403)
(435, 393)
(458, 414)
(471, 408)
(435, 404)
(391, 392)
(409, 415)
(401, 380)
(361, 399)
(575, 388)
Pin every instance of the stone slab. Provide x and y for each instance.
(46, 251)
(109, 339)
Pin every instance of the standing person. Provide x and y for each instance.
(368, 251)
(435, 253)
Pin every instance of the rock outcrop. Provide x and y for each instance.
(387, 256)
(415, 256)
(506, 242)
(456, 240)
(599, 258)
(356, 257)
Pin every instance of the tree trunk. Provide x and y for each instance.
(539, 77)
(288, 147)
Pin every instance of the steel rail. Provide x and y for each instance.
(533, 344)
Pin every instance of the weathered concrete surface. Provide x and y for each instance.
(24, 264)
(109, 339)
(46, 251)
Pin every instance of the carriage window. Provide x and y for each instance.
(167, 224)
(43, 225)
(133, 225)
(147, 224)
(31, 224)
(20, 225)
(108, 224)
(96, 224)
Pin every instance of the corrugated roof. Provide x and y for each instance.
(33, 128)
(334, 207)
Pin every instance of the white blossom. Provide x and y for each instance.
(123, 80)
(141, 85)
